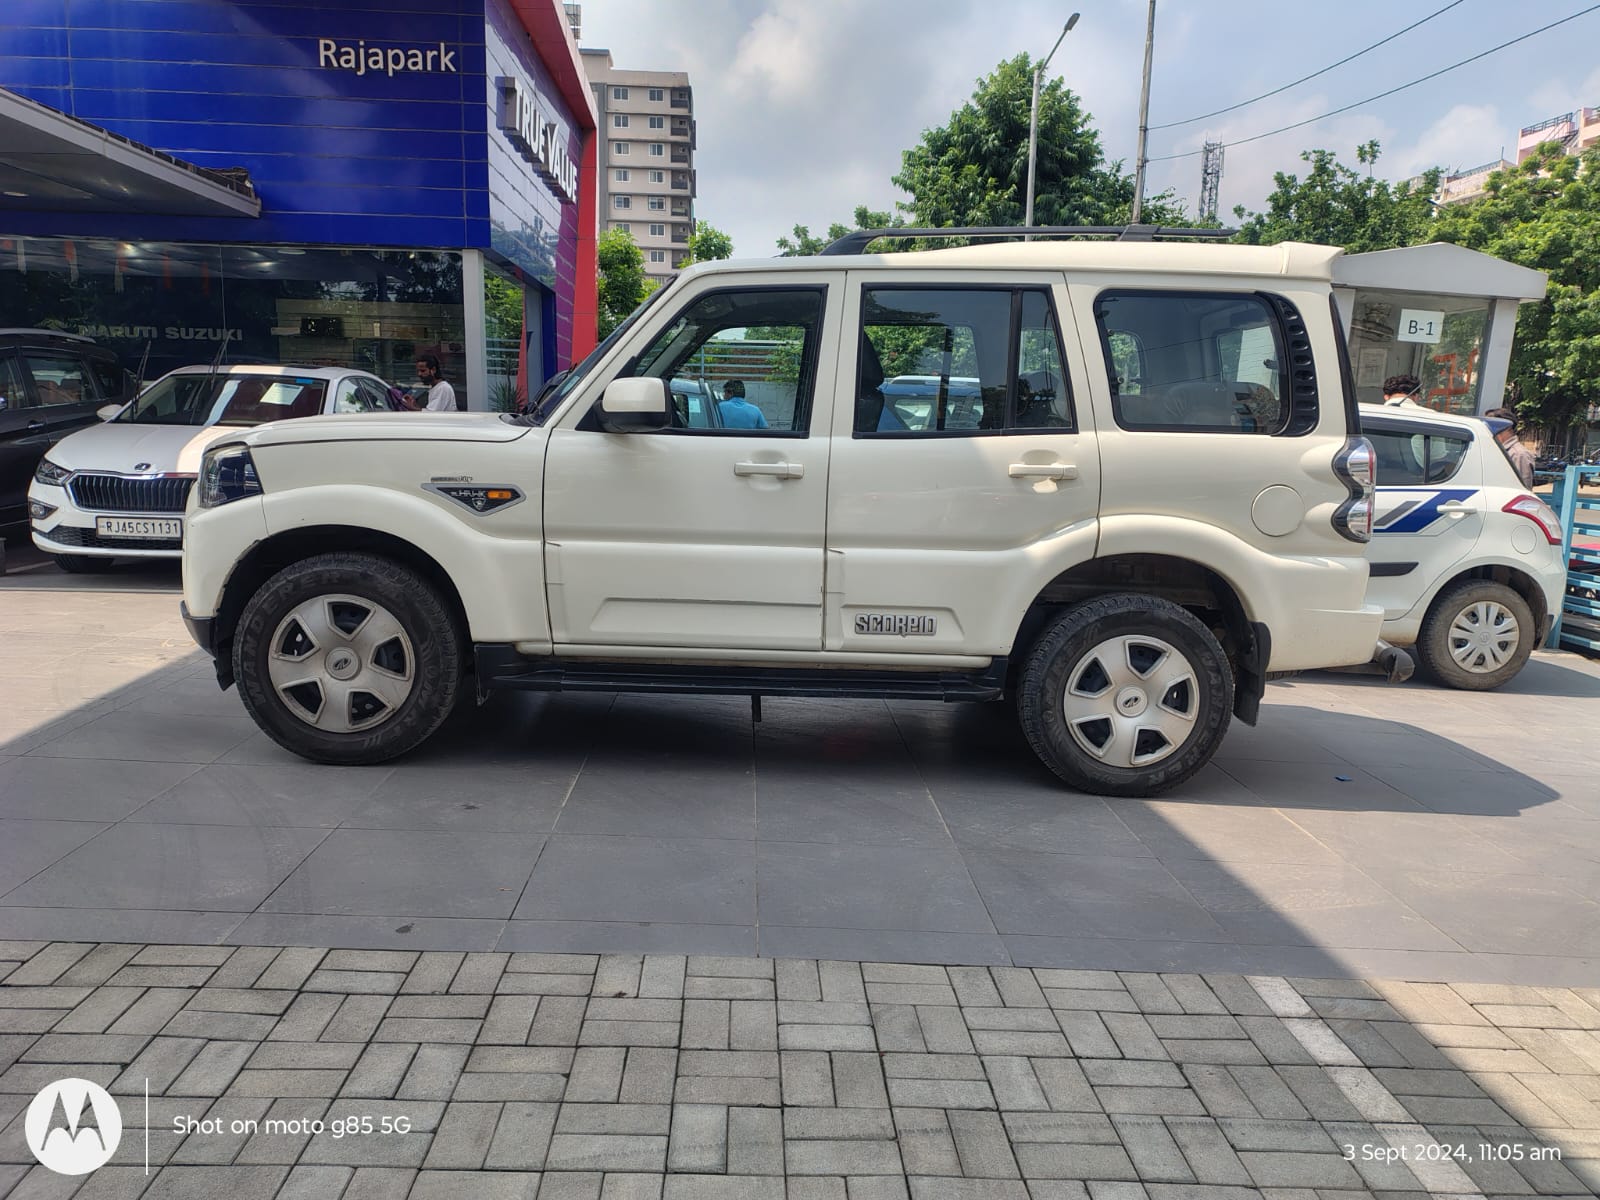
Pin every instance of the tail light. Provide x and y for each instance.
(1354, 467)
(1540, 513)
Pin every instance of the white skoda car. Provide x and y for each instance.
(118, 489)
(1465, 561)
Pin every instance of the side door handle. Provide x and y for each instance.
(1455, 509)
(778, 470)
(35, 427)
(1055, 470)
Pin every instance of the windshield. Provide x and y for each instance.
(569, 383)
(232, 399)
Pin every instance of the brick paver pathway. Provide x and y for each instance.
(365, 1075)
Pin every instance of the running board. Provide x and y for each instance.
(500, 666)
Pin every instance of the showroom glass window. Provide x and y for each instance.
(173, 304)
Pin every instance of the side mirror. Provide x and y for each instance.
(107, 412)
(635, 405)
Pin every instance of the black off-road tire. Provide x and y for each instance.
(1066, 643)
(84, 564)
(438, 646)
(1433, 639)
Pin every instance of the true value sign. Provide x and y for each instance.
(537, 135)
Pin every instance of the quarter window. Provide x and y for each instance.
(960, 361)
(741, 362)
(1202, 362)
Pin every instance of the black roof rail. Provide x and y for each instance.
(855, 243)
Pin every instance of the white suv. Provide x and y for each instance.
(1466, 563)
(1140, 490)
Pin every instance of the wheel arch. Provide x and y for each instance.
(1507, 574)
(270, 555)
(1199, 588)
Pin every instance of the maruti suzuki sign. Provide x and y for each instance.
(530, 125)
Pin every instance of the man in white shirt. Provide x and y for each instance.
(441, 396)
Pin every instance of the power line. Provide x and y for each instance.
(1388, 91)
(1313, 75)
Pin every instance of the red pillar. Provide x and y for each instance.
(586, 291)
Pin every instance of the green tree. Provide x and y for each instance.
(708, 243)
(805, 242)
(622, 283)
(1336, 205)
(974, 169)
(1545, 214)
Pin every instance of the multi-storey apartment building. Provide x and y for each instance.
(647, 144)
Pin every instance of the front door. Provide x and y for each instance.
(709, 534)
(1429, 511)
(961, 457)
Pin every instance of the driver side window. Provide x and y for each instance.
(740, 362)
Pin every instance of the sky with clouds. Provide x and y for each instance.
(804, 106)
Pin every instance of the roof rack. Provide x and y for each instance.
(855, 243)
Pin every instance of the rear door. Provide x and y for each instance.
(23, 439)
(65, 389)
(1430, 508)
(961, 448)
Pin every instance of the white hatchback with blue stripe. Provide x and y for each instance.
(1465, 561)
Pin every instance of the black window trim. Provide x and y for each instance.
(1304, 408)
(806, 388)
(1012, 358)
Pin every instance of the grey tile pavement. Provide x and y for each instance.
(299, 1072)
(1359, 830)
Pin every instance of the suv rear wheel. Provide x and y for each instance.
(1125, 695)
(348, 658)
(1477, 635)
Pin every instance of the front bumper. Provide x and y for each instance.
(204, 632)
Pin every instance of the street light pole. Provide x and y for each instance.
(1033, 117)
(1144, 120)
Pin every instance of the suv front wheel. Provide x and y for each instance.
(1125, 695)
(348, 658)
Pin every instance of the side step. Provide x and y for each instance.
(500, 666)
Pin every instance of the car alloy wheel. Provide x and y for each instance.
(341, 663)
(1131, 701)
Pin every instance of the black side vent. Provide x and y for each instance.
(1303, 410)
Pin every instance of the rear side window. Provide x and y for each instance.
(59, 379)
(960, 361)
(1206, 362)
(1407, 458)
(109, 378)
(12, 394)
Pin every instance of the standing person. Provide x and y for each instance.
(1401, 391)
(1521, 457)
(441, 396)
(737, 412)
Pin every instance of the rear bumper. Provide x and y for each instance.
(1329, 638)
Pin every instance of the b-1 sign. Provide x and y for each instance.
(1420, 325)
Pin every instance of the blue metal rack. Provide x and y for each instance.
(1577, 625)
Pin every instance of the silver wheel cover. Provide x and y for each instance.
(1131, 701)
(1483, 637)
(341, 664)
